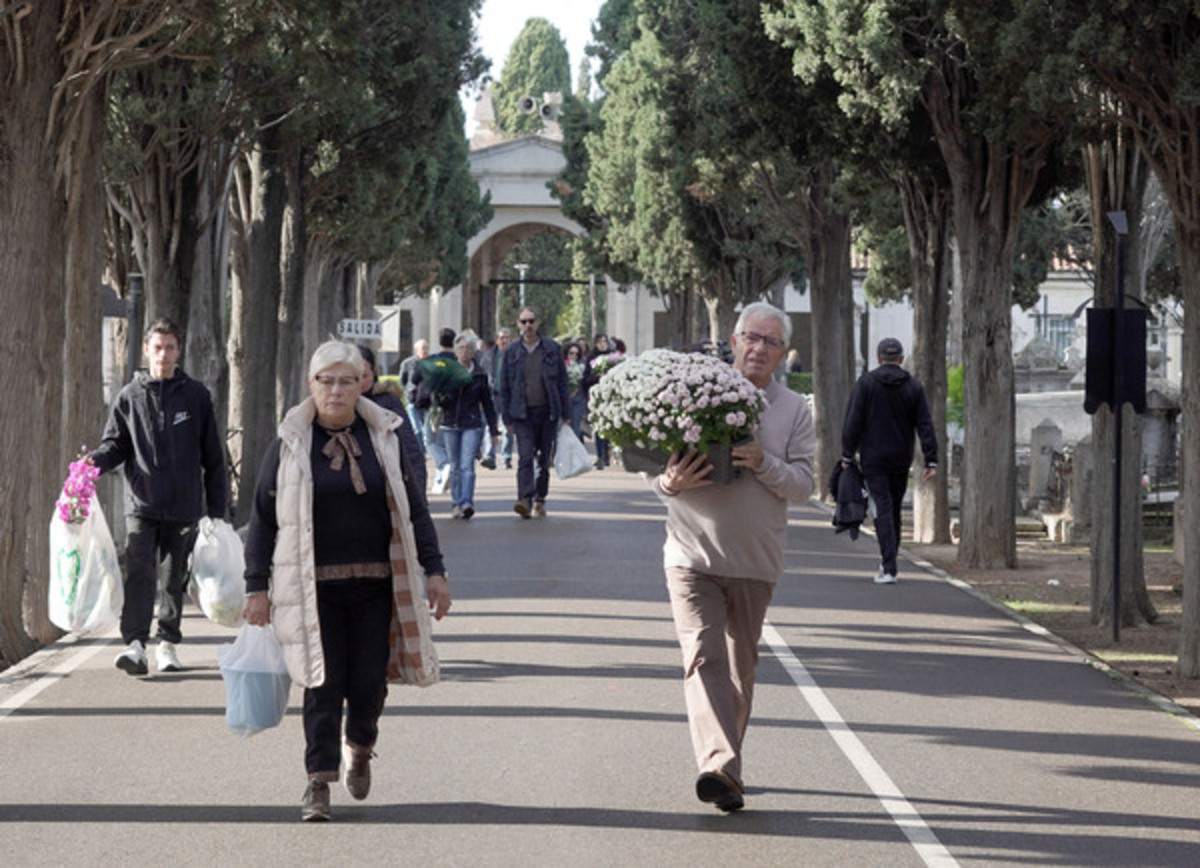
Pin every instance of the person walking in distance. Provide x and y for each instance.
(408, 371)
(887, 405)
(384, 394)
(533, 403)
(432, 438)
(163, 429)
(724, 554)
(590, 378)
(466, 413)
(492, 362)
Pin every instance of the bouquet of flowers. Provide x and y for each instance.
(574, 376)
(604, 363)
(667, 401)
(75, 502)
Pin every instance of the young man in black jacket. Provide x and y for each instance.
(886, 406)
(162, 427)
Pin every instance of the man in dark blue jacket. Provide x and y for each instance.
(886, 406)
(533, 402)
(162, 427)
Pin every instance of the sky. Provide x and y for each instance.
(500, 23)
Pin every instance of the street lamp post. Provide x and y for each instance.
(521, 268)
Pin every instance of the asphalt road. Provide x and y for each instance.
(893, 725)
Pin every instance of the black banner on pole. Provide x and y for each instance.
(1103, 343)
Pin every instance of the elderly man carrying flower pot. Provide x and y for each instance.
(724, 554)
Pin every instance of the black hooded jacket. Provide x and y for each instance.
(888, 404)
(846, 486)
(165, 433)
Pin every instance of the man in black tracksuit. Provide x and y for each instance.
(162, 427)
(886, 406)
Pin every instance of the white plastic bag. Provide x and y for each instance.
(570, 456)
(218, 565)
(256, 681)
(86, 594)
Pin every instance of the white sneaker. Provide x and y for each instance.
(440, 483)
(165, 659)
(133, 659)
(882, 578)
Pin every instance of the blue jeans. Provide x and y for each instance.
(417, 418)
(601, 450)
(578, 410)
(435, 448)
(506, 440)
(462, 447)
(505, 447)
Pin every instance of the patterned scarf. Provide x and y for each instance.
(343, 446)
(406, 651)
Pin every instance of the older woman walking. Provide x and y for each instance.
(340, 537)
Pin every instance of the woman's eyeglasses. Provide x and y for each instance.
(331, 383)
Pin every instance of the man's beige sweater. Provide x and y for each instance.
(739, 530)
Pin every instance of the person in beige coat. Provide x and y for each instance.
(340, 552)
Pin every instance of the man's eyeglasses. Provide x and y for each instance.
(754, 338)
(527, 321)
(330, 383)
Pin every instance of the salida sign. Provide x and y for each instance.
(360, 328)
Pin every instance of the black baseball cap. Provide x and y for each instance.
(890, 350)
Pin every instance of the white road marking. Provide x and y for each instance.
(8, 706)
(924, 841)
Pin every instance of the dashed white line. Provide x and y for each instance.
(922, 838)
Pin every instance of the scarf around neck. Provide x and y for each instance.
(342, 448)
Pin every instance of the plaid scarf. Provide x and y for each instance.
(411, 656)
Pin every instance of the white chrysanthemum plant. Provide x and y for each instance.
(667, 401)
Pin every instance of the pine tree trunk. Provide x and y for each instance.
(260, 307)
(209, 287)
(291, 364)
(927, 219)
(239, 282)
(985, 217)
(828, 256)
(31, 293)
(1188, 241)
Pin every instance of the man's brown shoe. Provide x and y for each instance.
(521, 508)
(539, 509)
